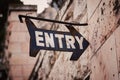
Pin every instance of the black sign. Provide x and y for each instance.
(41, 39)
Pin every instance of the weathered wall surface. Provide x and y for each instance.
(100, 61)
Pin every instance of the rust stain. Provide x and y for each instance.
(118, 22)
(105, 77)
(104, 4)
(102, 11)
(75, 78)
(69, 15)
(116, 6)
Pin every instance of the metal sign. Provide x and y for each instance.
(41, 39)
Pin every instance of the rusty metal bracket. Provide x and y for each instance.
(49, 20)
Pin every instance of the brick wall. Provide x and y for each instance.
(17, 40)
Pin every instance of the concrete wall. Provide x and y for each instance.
(100, 61)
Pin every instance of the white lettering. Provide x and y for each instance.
(38, 38)
(80, 41)
(59, 36)
(49, 40)
(70, 41)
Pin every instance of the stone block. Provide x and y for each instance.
(94, 33)
(16, 71)
(104, 63)
(22, 59)
(18, 37)
(16, 26)
(27, 36)
(25, 47)
(27, 69)
(18, 78)
(117, 40)
(107, 18)
(14, 48)
(80, 8)
(92, 6)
